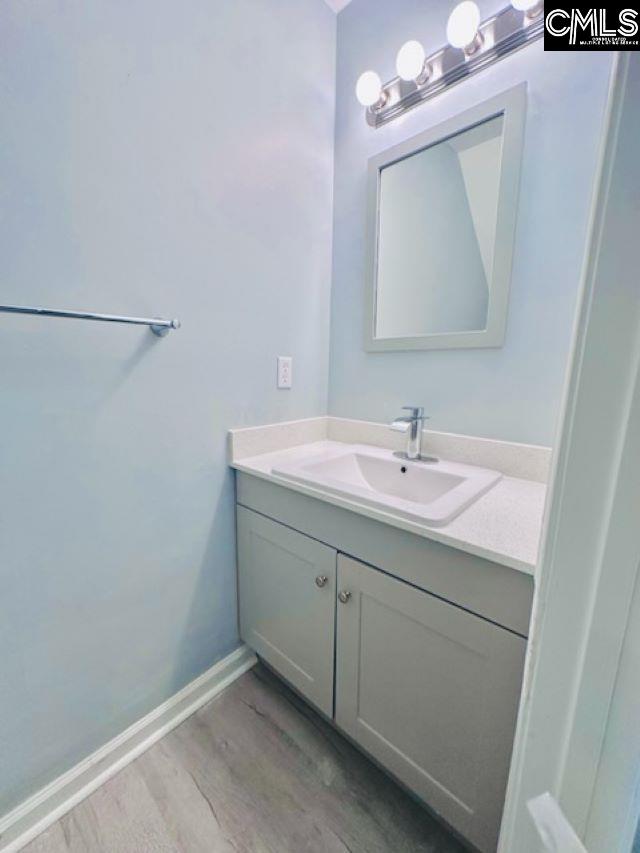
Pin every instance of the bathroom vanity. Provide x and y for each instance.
(413, 647)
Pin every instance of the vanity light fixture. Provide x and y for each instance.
(369, 90)
(531, 8)
(462, 27)
(410, 63)
(473, 45)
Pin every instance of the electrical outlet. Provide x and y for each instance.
(285, 371)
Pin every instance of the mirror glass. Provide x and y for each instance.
(436, 235)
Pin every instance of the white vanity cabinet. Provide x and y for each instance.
(286, 591)
(426, 687)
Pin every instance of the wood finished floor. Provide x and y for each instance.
(254, 771)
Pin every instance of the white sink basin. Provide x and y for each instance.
(432, 493)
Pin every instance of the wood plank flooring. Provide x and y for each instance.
(254, 771)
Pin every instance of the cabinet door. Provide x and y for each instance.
(286, 589)
(431, 691)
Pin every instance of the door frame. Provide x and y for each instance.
(591, 546)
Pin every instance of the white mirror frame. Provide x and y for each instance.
(512, 106)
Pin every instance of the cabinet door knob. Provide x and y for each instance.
(344, 595)
(321, 580)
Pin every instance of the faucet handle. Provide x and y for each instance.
(417, 413)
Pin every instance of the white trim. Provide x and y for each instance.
(33, 816)
(615, 808)
(590, 555)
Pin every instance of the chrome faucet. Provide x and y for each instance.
(412, 426)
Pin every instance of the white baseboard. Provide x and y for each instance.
(30, 818)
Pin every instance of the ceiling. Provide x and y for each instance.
(336, 5)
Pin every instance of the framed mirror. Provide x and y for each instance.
(441, 219)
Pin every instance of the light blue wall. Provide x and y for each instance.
(156, 158)
(510, 393)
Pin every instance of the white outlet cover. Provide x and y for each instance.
(285, 371)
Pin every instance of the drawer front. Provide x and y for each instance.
(286, 591)
(431, 691)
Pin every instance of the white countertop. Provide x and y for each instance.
(503, 525)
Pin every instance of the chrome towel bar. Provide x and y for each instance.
(158, 327)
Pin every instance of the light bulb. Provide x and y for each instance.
(531, 8)
(462, 26)
(410, 60)
(368, 88)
